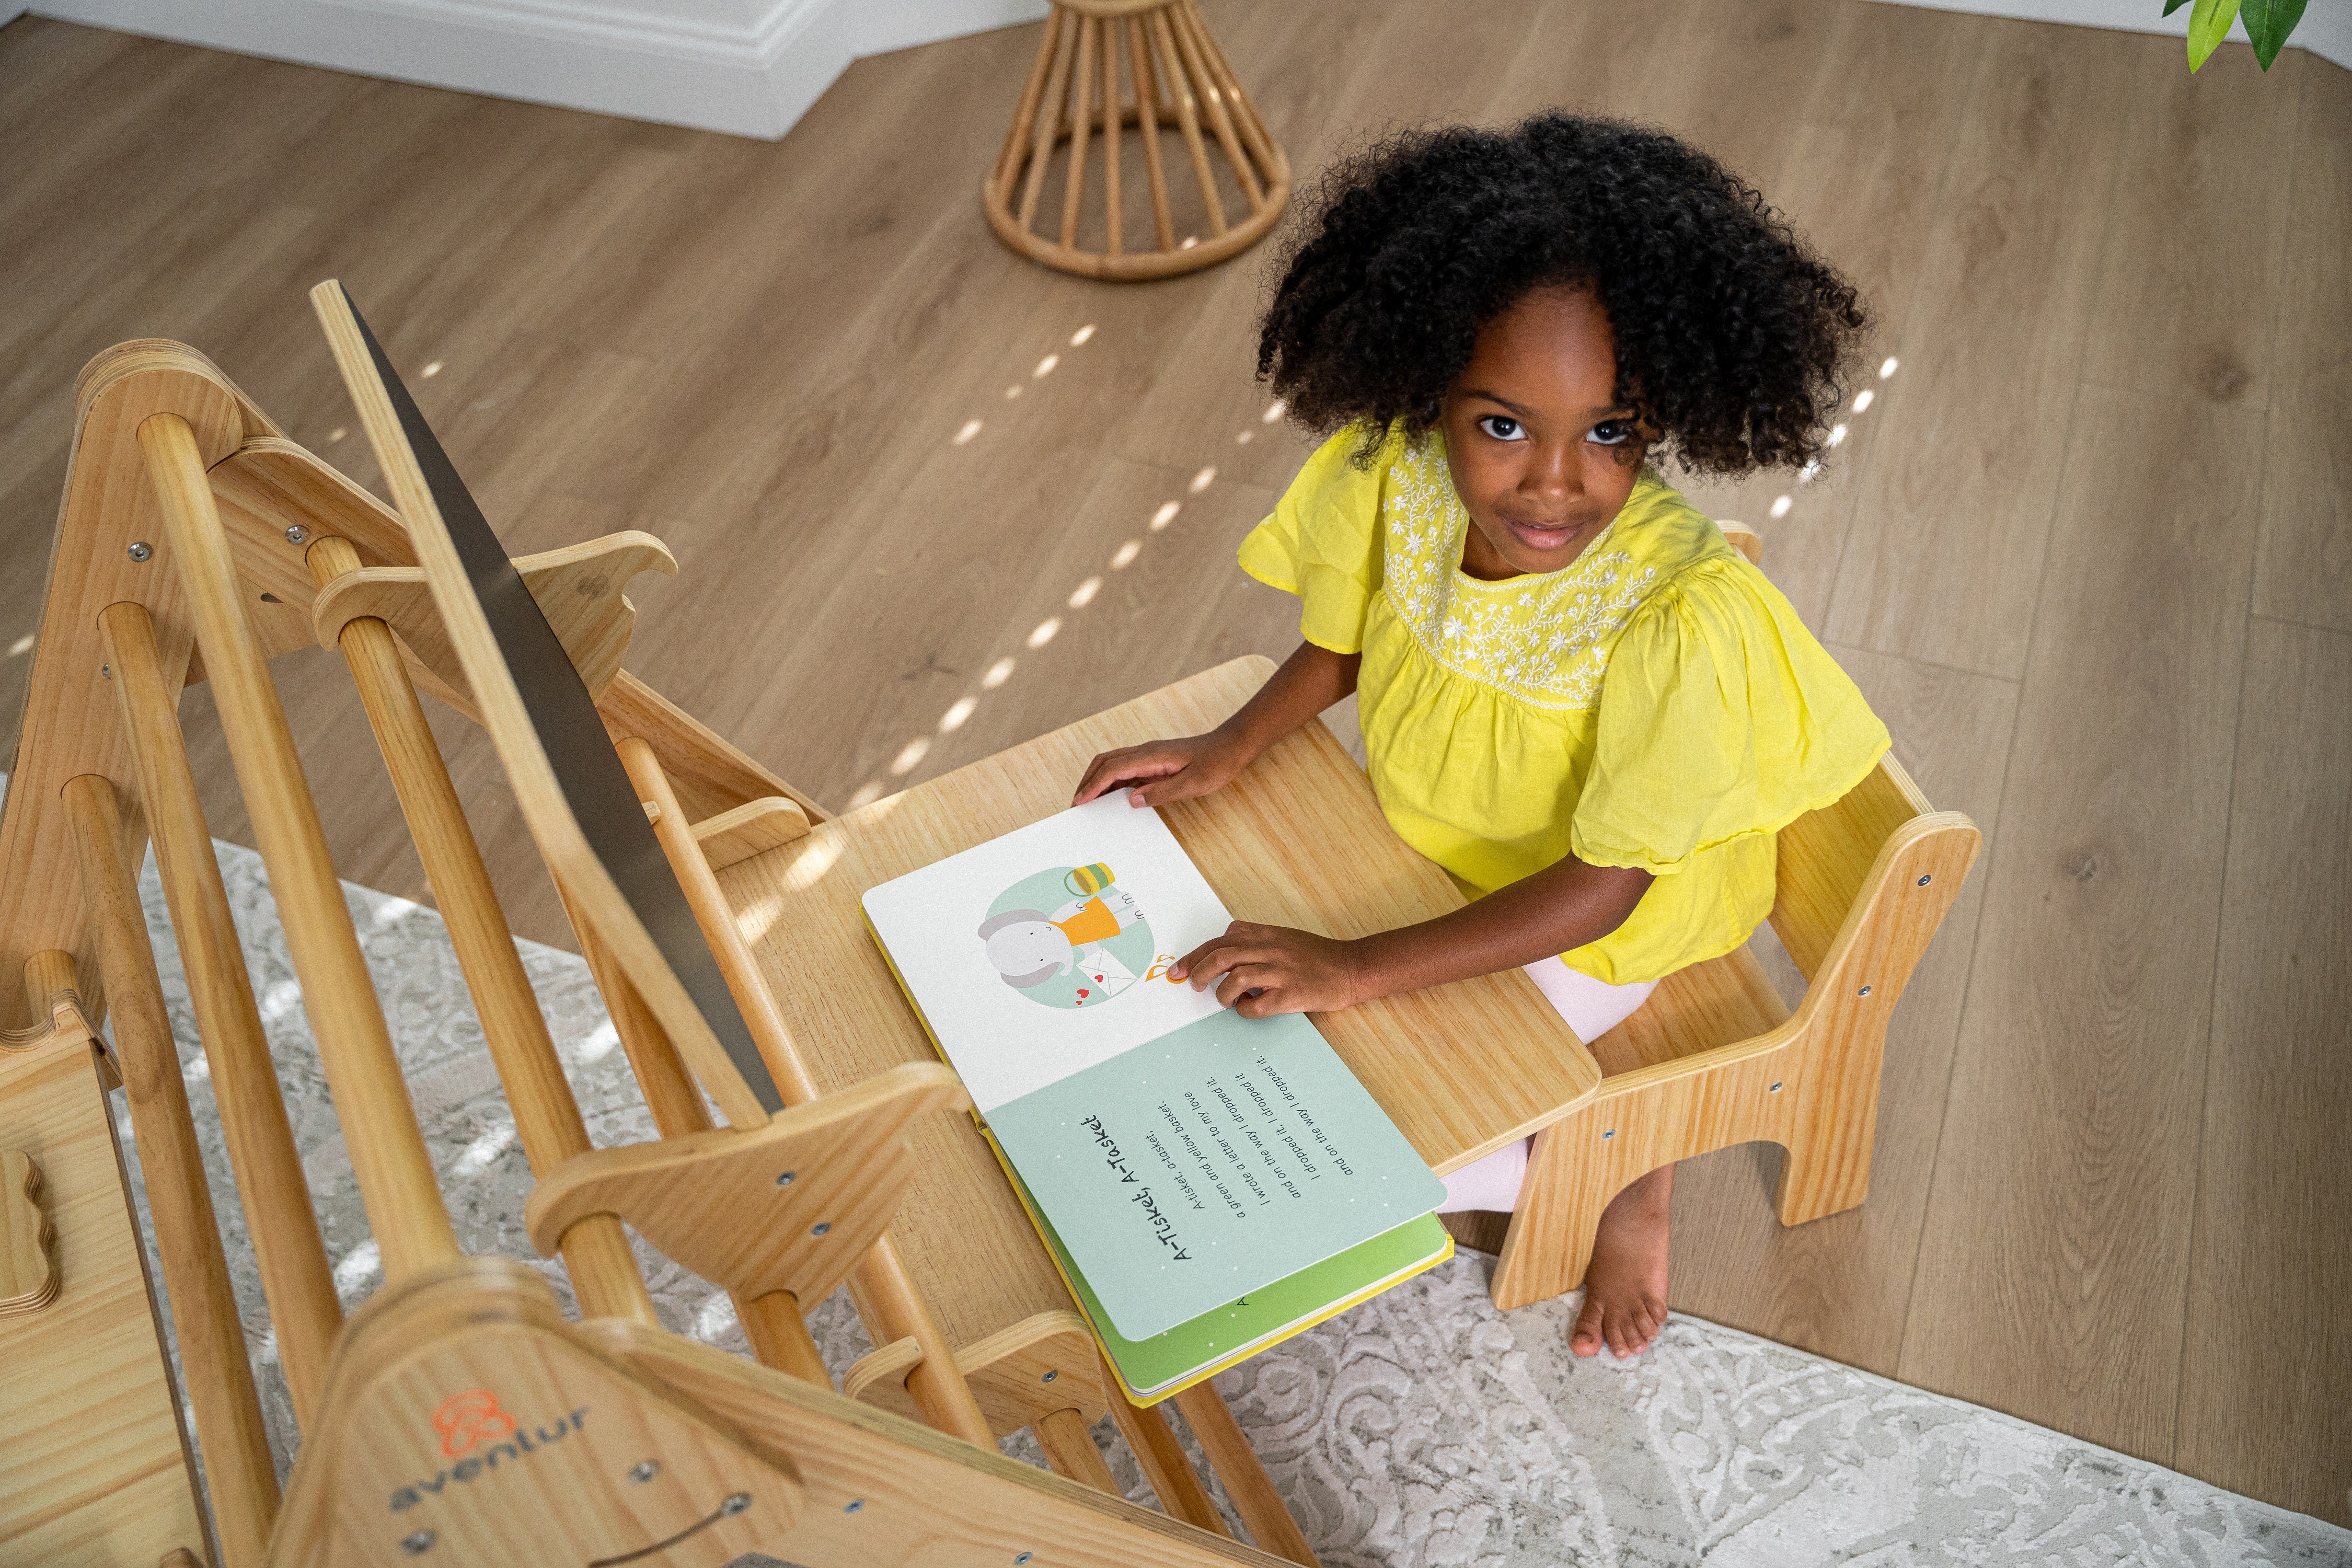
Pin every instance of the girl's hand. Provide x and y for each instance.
(1164, 771)
(1260, 971)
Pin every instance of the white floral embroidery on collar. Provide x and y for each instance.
(1546, 645)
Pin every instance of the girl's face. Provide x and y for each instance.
(1543, 456)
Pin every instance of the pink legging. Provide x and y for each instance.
(1592, 1009)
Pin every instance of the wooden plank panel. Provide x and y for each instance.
(2305, 572)
(1862, 178)
(2266, 1372)
(1944, 558)
(2054, 1252)
(1065, 587)
(2177, 313)
(1840, 1286)
(94, 1472)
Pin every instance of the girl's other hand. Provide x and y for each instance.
(1163, 771)
(1260, 971)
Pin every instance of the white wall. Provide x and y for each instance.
(2325, 29)
(750, 67)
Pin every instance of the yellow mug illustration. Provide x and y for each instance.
(1084, 881)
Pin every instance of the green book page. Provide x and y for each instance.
(1266, 1316)
(1198, 1168)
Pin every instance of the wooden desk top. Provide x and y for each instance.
(1462, 1069)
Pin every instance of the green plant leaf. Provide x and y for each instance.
(2208, 26)
(2268, 22)
(2172, 6)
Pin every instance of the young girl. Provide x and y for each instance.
(1576, 696)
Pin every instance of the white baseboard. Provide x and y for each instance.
(2325, 29)
(749, 67)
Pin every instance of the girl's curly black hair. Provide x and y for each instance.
(1734, 340)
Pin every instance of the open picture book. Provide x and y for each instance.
(1208, 1184)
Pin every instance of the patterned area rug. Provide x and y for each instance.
(1422, 1429)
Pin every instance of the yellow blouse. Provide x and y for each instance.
(1657, 703)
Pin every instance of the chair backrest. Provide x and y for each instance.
(1826, 856)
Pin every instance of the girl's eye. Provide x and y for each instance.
(1502, 429)
(1610, 433)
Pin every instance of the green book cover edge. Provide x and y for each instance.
(1268, 1316)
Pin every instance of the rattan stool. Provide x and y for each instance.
(1180, 79)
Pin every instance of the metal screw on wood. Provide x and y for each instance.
(1774, 1089)
(1863, 991)
(1021, 1559)
(644, 1470)
(106, 672)
(297, 535)
(786, 1179)
(820, 1227)
(418, 1543)
(141, 551)
(1610, 1133)
(1926, 879)
(1049, 1377)
(855, 1505)
(736, 1502)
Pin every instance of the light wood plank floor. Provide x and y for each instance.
(2088, 551)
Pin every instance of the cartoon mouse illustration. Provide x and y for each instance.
(1030, 947)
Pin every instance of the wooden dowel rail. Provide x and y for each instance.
(773, 1324)
(1187, 119)
(1147, 119)
(595, 1251)
(1246, 1482)
(1016, 139)
(778, 1332)
(1110, 118)
(1048, 122)
(1271, 162)
(240, 1477)
(289, 1251)
(50, 982)
(46, 972)
(885, 1296)
(1213, 94)
(1071, 1450)
(1162, 1461)
(389, 1161)
(670, 1092)
(1074, 174)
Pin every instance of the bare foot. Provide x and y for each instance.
(1625, 1285)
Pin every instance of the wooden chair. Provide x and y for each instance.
(1713, 1058)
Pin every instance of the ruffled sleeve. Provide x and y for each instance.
(1720, 716)
(1322, 543)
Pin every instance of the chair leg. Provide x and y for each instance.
(1835, 1125)
(1571, 1179)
